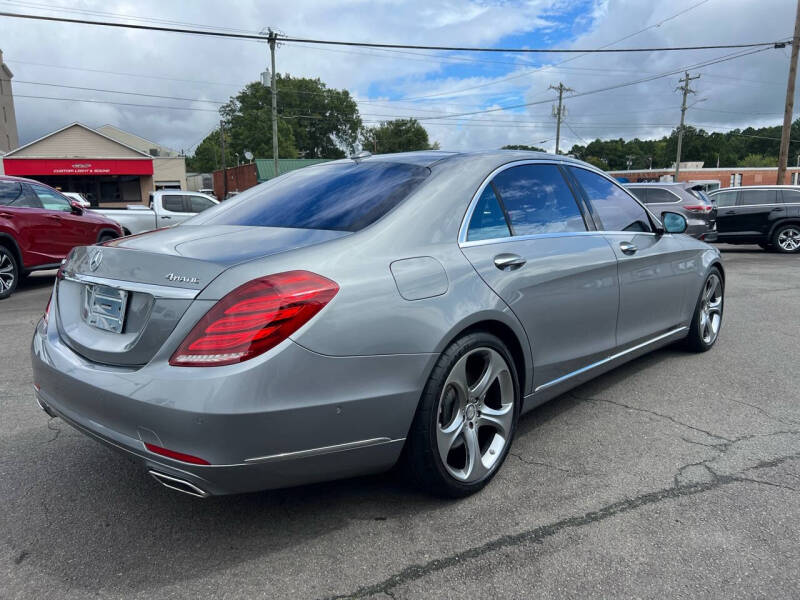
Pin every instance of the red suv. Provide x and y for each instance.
(38, 228)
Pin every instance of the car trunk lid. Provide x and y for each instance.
(117, 304)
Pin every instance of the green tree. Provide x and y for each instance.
(208, 154)
(313, 120)
(523, 147)
(758, 160)
(400, 135)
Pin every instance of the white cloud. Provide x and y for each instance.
(741, 88)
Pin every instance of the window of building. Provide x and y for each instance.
(736, 179)
(795, 178)
(616, 209)
(5, 116)
(537, 199)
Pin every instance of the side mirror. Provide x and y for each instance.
(77, 209)
(674, 222)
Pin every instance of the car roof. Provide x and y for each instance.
(680, 184)
(20, 179)
(756, 187)
(433, 158)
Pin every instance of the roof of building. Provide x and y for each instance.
(27, 148)
(135, 141)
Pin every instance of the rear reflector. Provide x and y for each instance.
(253, 318)
(187, 458)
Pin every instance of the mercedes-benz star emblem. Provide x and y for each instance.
(96, 259)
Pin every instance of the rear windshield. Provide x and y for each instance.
(343, 197)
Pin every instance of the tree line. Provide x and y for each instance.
(749, 147)
(314, 121)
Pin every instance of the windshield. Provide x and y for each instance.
(343, 197)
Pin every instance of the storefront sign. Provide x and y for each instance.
(77, 166)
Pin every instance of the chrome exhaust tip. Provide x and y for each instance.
(179, 485)
(48, 411)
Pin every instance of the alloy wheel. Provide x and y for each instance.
(711, 309)
(789, 239)
(7, 272)
(475, 415)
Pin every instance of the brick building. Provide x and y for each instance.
(731, 177)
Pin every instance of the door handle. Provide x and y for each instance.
(777, 209)
(5, 215)
(508, 262)
(628, 248)
(729, 212)
(165, 217)
(54, 217)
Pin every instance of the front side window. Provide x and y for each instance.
(342, 196)
(537, 200)
(791, 196)
(51, 199)
(9, 191)
(198, 204)
(748, 197)
(488, 221)
(616, 209)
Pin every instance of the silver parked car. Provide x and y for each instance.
(687, 199)
(348, 315)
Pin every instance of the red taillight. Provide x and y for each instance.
(700, 208)
(253, 318)
(187, 458)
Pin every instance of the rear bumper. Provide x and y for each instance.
(289, 418)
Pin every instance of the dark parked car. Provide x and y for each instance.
(766, 215)
(688, 199)
(38, 228)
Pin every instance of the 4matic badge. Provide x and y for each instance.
(181, 278)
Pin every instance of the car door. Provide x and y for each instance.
(725, 204)
(68, 229)
(756, 209)
(655, 270)
(528, 238)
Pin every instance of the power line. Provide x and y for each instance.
(286, 39)
(89, 89)
(116, 103)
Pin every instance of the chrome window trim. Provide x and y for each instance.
(609, 359)
(555, 234)
(463, 230)
(320, 451)
(157, 291)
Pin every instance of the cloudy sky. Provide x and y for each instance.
(435, 87)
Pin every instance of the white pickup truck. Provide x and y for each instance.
(167, 207)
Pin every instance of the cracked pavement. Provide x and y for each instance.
(676, 475)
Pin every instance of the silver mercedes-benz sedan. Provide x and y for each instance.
(346, 316)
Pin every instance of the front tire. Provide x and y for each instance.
(9, 273)
(466, 419)
(707, 320)
(786, 239)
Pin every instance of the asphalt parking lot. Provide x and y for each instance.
(676, 475)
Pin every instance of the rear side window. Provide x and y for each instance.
(616, 209)
(660, 196)
(724, 199)
(747, 197)
(173, 203)
(640, 193)
(343, 197)
(9, 191)
(538, 200)
(488, 221)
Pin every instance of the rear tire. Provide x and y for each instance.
(786, 238)
(707, 319)
(466, 419)
(9, 273)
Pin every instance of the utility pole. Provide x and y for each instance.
(783, 155)
(224, 170)
(686, 91)
(272, 39)
(559, 113)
